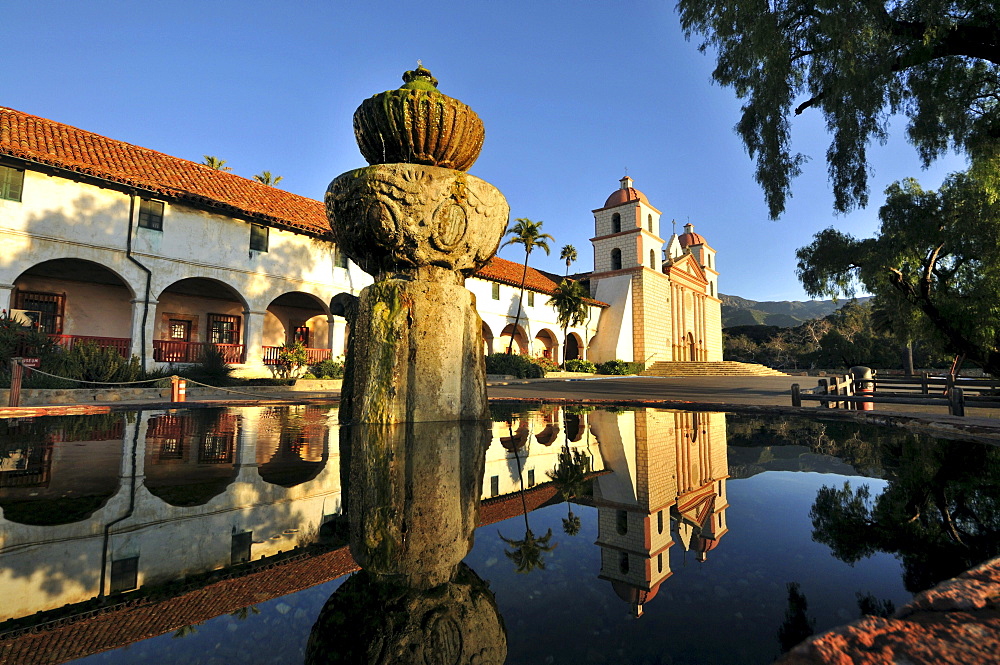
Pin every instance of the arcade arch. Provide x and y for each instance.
(546, 344)
(195, 313)
(76, 300)
(520, 339)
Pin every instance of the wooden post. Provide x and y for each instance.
(796, 396)
(16, 373)
(956, 402)
(923, 383)
(178, 389)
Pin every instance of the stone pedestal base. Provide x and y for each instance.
(417, 355)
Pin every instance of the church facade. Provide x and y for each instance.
(160, 257)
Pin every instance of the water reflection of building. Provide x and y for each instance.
(163, 496)
(529, 442)
(668, 485)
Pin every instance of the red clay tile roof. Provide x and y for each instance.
(42, 141)
(47, 142)
(509, 272)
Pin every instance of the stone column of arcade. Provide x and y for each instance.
(414, 416)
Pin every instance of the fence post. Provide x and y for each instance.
(923, 382)
(16, 373)
(178, 389)
(956, 402)
(796, 397)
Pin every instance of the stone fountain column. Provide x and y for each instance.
(419, 224)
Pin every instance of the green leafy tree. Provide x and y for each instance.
(857, 63)
(216, 163)
(570, 302)
(528, 234)
(568, 254)
(265, 178)
(798, 625)
(936, 254)
(939, 513)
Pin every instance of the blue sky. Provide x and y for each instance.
(571, 94)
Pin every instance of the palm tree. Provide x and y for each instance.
(571, 307)
(528, 233)
(568, 254)
(215, 163)
(265, 178)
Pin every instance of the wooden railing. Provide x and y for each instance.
(313, 356)
(173, 351)
(845, 393)
(120, 344)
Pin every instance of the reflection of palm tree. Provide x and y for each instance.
(184, 631)
(571, 524)
(569, 476)
(570, 472)
(527, 553)
(244, 612)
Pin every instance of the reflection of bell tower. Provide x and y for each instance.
(668, 468)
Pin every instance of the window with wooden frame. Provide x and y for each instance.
(151, 214)
(124, 574)
(11, 183)
(49, 307)
(496, 291)
(223, 329)
(240, 552)
(300, 333)
(340, 259)
(531, 299)
(258, 237)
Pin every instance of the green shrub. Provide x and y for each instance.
(328, 369)
(578, 365)
(269, 382)
(213, 368)
(308, 375)
(292, 358)
(19, 341)
(89, 362)
(619, 367)
(547, 364)
(514, 365)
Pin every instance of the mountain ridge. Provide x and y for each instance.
(737, 311)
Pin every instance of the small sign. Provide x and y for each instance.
(31, 362)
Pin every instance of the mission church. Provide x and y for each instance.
(160, 257)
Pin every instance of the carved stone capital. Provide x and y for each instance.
(403, 217)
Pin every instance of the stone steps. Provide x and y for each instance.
(705, 368)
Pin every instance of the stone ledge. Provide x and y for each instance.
(958, 621)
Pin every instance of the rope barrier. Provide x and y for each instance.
(129, 383)
(102, 383)
(228, 390)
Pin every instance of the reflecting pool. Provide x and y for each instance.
(559, 535)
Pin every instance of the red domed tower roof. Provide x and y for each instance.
(689, 237)
(625, 194)
(634, 596)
